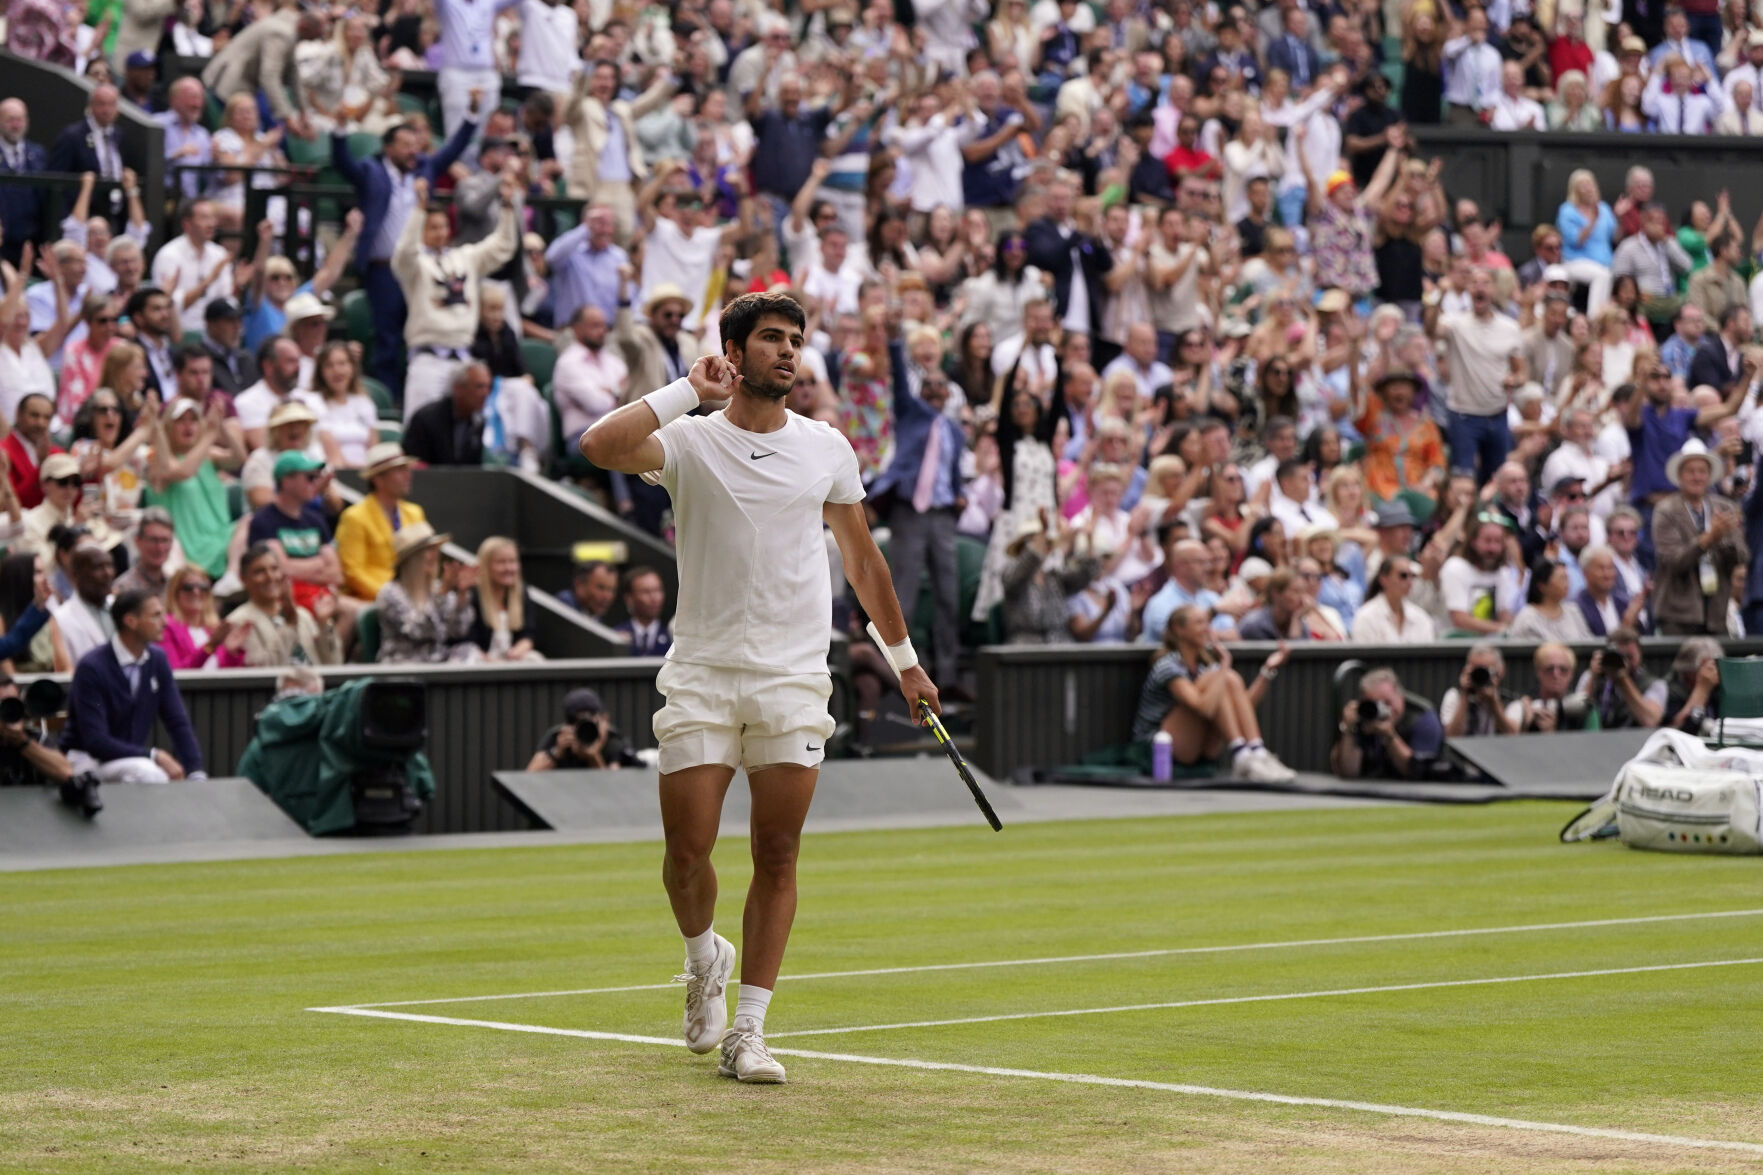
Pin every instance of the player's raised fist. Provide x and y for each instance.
(712, 378)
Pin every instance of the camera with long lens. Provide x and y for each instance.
(1570, 711)
(41, 699)
(587, 732)
(1371, 712)
(1615, 661)
(1480, 677)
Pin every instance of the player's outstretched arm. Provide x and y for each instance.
(868, 573)
(624, 440)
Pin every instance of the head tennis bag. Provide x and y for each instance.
(1681, 796)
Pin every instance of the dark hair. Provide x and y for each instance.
(634, 573)
(138, 300)
(65, 538)
(583, 570)
(998, 252)
(1312, 452)
(392, 133)
(1278, 424)
(255, 554)
(18, 575)
(1289, 466)
(266, 349)
(1731, 313)
(743, 314)
(1540, 573)
(129, 603)
(1257, 536)
(28, 397)
(1285, 404)
(187, 353)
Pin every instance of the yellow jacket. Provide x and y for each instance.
(364, 544)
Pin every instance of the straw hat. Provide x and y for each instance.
(383, 458)
(302, 306)
(57, 466)
(293, 412)
(666, 292)
(414, 539)
(1027, 529)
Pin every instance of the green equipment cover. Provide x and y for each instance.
(307, 748)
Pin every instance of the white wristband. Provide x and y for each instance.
(672, 401)
(901, 656)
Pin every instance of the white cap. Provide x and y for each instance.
(1555, 273)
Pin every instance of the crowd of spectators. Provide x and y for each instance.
(1160, 312)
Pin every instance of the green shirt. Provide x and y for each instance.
(199, 513)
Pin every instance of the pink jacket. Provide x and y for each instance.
(184, 653)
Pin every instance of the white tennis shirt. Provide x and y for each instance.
(754, 592)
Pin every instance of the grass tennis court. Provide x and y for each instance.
(159, 1017)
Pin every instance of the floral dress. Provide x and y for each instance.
(866, 417)
(1341, 243)
(1033, 490)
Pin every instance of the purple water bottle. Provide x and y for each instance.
(1162, 757)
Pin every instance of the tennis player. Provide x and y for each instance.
(746, 681)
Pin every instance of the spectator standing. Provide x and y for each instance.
(1473, 85)
(1699, 538)
(658, 351)
(385, 187)
(181, 477)
(260, 59)
(24, 357)
(84, 618)
(270, 628)
(188, 144)
(1721, 360)
(608, 162)
(21, 208)
(990, 157)
(420, 621)
(1077, 259)
(1657, 430)
(194, 269)
(1482, 352)
(550, 37)
(92, 143)
(119, 693)
(441, 289)
(450, 431)
(587, 266)
(925, 482)
(1654, 259)
(644, 598)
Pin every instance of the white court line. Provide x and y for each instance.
(1262, 999)
(1750, 1148)
(1149, 954)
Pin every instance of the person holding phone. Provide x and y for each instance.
(1194, 696)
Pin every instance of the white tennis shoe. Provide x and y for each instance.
(747, 1060)
(706, 1015)
(1260, 767)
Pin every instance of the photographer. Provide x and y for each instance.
(26, 762)
(1557, 706)
(587, 738)
(1624, 694)
(1693, 686)
(1473, 706)
(1381, 737)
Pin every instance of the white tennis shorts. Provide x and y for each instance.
(737, 717)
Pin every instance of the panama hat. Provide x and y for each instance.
(383, 458)
(414, 539)
(666, 292)
(1691, 450)
(293, 412)
(304, 306)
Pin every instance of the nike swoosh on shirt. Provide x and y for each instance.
(756, 456)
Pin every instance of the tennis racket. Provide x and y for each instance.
(949, 748)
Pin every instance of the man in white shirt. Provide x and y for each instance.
(1750, 72)
(1473, 83)
(549, 36)
(746, 678)
(1295, 502)
(194, 268)
(831, 281)
(932, 145)
(278, 365)
(1139, 360)
(682, 243)
(73, 276)
(1476, 588)
(1031, 351)
(84, 617)
(590, 378)
(1679, 102)
(468, 61)
(1577, 458)
(1512, 111)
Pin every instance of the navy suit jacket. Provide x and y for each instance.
(913, 420)
(655, 648)
(373, 187)
(1708, 365)
(1050, 252)
(21, 208)
(104, 721)
(1281, 56)
(1593, 618)
(72, 152)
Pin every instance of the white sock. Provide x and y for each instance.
(1237, 747)
(750, 1008)
(701, 949)
(1256, 744)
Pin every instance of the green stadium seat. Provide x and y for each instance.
(235, 500)
(1741, 692)
(382, 398)
(315, 152)
(363, 145)
(411, 104)
(192, 336)
(367, 634)
(389, 430)
(540, 359)
(358, 317)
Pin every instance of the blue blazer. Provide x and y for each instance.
(913, 420)
(21, 208)
(656, 648)
(1594, 620)
(1281, 56)
(104, 721)
(374, 188)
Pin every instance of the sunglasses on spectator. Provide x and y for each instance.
(1403, 575)
(1554, 669)
(200, 589)
(1623, 534)
(68, 482)
(105, 320)
(106, 410)
(281, 277)
(1574, 496)
(668, 315)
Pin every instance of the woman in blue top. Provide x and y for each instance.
(1588, 237)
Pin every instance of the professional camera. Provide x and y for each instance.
(1615, 661)
(1570, 711)
(41, 699)
(1371, 712)
(1480, 677)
